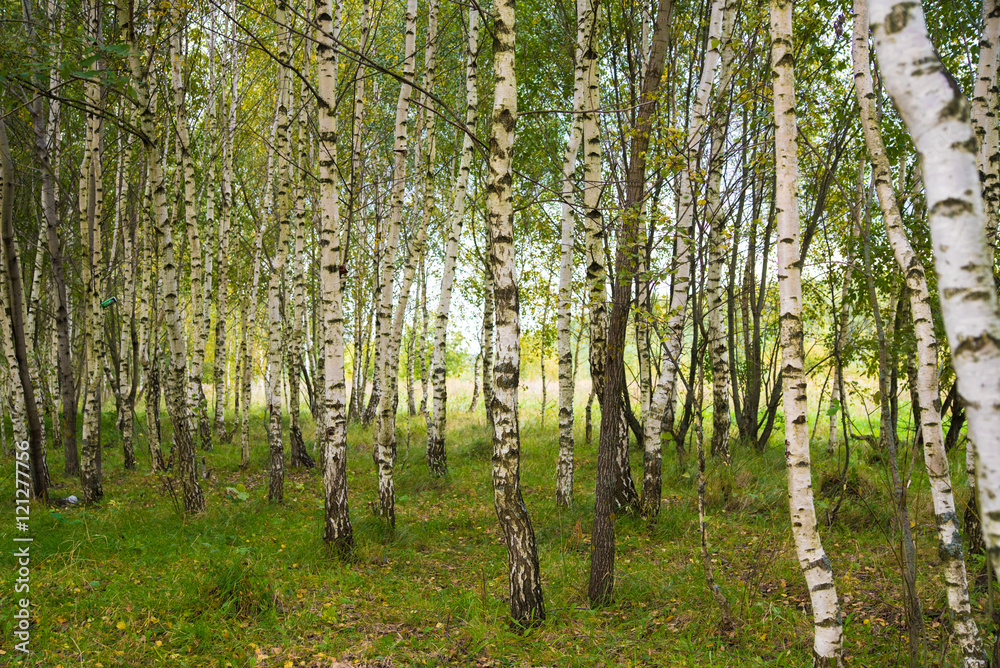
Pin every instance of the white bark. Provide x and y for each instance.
(815, 565)
(928, 393)
(383, 453)
(984, 116)
(337, 522)
(526, 605)
(665, 385)
(937, 116)
(564, 467)
(436, 458)
(199, 330)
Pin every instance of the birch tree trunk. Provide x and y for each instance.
(567, 379)
(489, 325)
(586, 11)
(984, 116)
(225, 225)
(383, 451)
(199, 330)
(298, 454)
(177, 405)
(39, 474)
(815, 565)
(90, 211)
(337, 521)
(127, 370)
(436, 456)
(928, 386)
(275, 350)
(48, 154)
(717, 251)
(526, 605)
(937, 116)
(359, 377)
(665, 391)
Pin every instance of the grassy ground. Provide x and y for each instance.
(131, 582)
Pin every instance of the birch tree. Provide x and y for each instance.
(527, 607)
(90, 212)
(275, 349)
(436, 456)
(185, 160)
(383, 451)
(815, 565)
(666, 384)
(928, 392)
(937, 117)
(567, 380)
(337, 531)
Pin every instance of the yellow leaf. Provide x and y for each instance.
(122, 625)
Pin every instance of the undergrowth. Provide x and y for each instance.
(130, 581)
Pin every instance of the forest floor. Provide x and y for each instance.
(130, 581)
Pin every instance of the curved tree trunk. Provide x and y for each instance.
(665, 391)
(383, 449)
(436, 456)
(937, 117)
(928, 391)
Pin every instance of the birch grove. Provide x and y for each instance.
(735, 230)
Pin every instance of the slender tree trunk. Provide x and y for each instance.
(815, 565)
(665, 391)
(602, 557)
(199, 329)
(383, 450)
(298, 454)
(489, 325)
(436, 456)
(527, 607)
(984, 117)
(937, 117)
(475, 382)
(717, 335)
(927, 382)
(225, 225)
(337, 521)
(177, 405)
(91, 207)
(14, 308)
(275, 348)
(126, 309)
(567, 380)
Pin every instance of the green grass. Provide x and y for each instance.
(130, 582)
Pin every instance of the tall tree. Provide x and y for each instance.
(602, 555)
(527, 608)
(928, 391)
(436, 456)
(937, 116)
(337, 531)
(815, 565)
